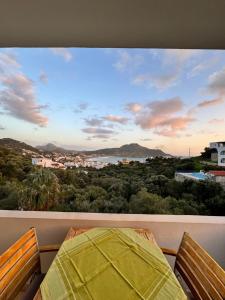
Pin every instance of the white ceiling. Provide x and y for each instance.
(113, 23)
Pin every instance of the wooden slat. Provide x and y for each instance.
(17, 256)
(195, 270)
(197, 284)
(49, 248)
(15, 247)
(191, 284)
(202, 274)
(213, 265)
(168, 251)
(10, 275)
(15, 286)
(205, 269)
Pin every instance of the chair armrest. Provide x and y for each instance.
(49, 248)
(167, 251)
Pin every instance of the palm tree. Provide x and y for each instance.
(41, 190)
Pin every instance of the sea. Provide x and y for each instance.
(115, 159)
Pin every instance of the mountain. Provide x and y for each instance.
(129, 150)
(16, 145)
(51, 148)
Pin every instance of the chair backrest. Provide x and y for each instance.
(202, 274)
(18, 263)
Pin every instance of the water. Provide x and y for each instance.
(199, 175)
(114, 159)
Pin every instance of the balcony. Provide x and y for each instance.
(52, 227)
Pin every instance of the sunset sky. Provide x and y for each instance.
(98, 98)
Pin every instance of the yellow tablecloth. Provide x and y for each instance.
(110, 264)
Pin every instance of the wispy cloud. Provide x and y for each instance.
(212, 102)
(94, 122)
(81, 107)
(127, 60)
(161, 82)
(216, 121)
(43, 77)
(98, 132)
(63, 52)
(172, 62)
(2, 127)
(116, 119)
(202, 66)
(216, 82)
(8, 61)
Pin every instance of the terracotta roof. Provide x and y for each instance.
(217, 173)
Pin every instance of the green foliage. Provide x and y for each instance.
(147, 188)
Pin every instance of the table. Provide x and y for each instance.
(73, 232)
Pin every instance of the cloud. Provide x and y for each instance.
(216, 82)
(116, 119)
(63, 52)
(8, 61)
(216, 121)
(160, 82)
(98, 130)
(43, 77)
(19, 100)
(208, 103)
(179, 56)
(127, 61)
(94, 122)
(172, 62)
(81, 107)
(161, 116)
(2, 128)
(146, 140)
(133, 107)
(203, 66)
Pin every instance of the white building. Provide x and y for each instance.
(46, 163)
(220, 147)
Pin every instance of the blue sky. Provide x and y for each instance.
(92, 98)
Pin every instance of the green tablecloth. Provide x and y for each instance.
(110, 264)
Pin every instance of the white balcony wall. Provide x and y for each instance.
(167, 229)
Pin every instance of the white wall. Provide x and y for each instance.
(167, 229)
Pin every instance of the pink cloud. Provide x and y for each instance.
(212, 102)
(19, 100)
(116, 119)
(161, 116)
(133, 107)
(216, 121)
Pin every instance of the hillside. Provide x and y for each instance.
(16, 145)
(129, 150)
(52, 148)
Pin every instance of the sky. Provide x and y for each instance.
(82, 98)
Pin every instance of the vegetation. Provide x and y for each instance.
(147, 188)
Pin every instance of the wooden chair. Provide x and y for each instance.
(20, 263)
(202, 274)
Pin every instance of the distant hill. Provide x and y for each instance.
(51, 148)
(129, 150)
(16, 145)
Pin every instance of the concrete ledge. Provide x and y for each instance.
(78, 216)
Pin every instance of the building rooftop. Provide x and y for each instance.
(217, 173)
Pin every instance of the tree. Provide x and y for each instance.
(41, 190)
